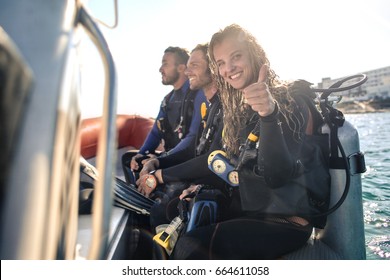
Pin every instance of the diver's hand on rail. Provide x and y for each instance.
(134, 163)
(149, 166)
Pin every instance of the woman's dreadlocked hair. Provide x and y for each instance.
(236, 111)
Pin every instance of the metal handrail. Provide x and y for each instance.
(106, 155)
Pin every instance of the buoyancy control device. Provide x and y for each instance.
(334, 124)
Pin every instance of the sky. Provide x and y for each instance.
(303, 39)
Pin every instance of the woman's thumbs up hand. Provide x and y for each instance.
(258, 95)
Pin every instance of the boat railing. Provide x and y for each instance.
(106, 154)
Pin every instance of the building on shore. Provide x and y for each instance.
(376, 88)
(372, 96)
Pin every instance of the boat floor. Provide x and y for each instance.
(118, 224)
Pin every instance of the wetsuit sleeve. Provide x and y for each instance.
(186, 170)
(279, 163)
(187, 142)
(203, 175)
(154, 137)
(179, 156)
(194, 170)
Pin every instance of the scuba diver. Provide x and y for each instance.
(272, 141)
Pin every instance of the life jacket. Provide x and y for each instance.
(174, 127)
(307, 193)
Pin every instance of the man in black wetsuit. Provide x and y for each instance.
(171, 178)
(178, 120)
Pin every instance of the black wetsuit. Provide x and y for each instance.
(194, 171)
(182, 103)
(268, 227)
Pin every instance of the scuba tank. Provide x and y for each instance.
(344, 231)
(343, 236)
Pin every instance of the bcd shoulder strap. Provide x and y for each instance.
(163, 123)
(213, 120)
(187, 110)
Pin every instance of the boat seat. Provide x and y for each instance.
(132, 132)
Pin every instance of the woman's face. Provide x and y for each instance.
(233, 61)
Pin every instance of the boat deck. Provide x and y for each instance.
(119, 218)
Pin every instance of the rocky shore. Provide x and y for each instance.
(369, 106)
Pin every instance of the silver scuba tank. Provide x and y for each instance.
(344, 231)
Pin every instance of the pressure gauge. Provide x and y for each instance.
(233, 177)
(219, 166)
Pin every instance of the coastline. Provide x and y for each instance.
(361, 107)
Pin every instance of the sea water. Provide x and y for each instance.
(374, 135)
